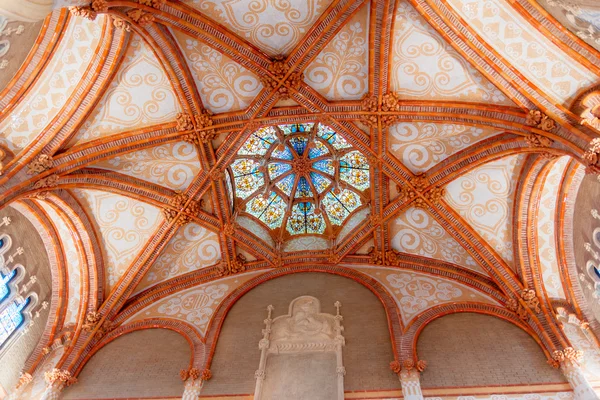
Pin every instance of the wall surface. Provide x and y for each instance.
(35, 262)
(479, 350)
(368, 349)
(138, 364)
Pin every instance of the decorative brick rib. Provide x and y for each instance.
(56, 263)
(48, 39)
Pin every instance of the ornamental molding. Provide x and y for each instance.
(200, 125)
(528, 300)
(183, 209)
(417, 194)
(49, 181)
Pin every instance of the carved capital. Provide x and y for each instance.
(24, 380)
(41, 163)
(541, 121)
(57, 376)
(567, 357)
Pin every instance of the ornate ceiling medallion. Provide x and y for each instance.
(299, 179)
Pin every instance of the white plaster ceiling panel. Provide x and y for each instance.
(192, 248)
(54, 87)
(341, 70)
(72, 260)
(425, 67)
(172, 165)
(196, 305)
(546, 229)
(529, 51)
(306, 243)
(356, 219)
(124, 226)
(416, 232)
(223, 84)
(416, 292)
(140, 95)
(255, 228)
(484, 197)
(421, 145)
(273, 26)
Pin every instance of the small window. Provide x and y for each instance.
(11, 318)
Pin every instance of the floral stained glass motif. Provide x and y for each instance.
(305, 178)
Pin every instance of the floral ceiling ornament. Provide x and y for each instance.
(91, 320)
(592, 157)
(184, 209)
(230, 228)
(538, 141)
(152, 3)
(420, 183)
(200, 125)
(83, 12)
(387, 258)
(24, 380)
(530, 298)
(279, 68)
(121, 24)
(41, 163)
(299, 179)
(396, 367)
(516, 307)
(389, 103)
(540, 120)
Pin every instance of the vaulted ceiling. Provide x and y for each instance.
(463, 119)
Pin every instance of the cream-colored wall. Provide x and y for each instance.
(139, 364)
(368, 349)
(478, 350)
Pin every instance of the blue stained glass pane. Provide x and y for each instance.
(276, 169)
(299, 144)
(11, 318)
(286, 184)
(4, 280)
(319, 182)
(325, 166)
(1, 243)
(318, 150)
(303, 189)
(284, 154)
(597, 272)
(332, 137)
(295, 128)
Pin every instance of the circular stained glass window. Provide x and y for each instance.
(304, 177)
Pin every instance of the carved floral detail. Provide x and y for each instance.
(83, 12)
(141, 17)
(46, 182)
(217, 174)
(99, 5)
(152, 3)
(234, 266)
(389, 103)
(59, 376)
(568, 356)
(395, 366)
(421, 365)
(229, 229)
(530, 298)
(592, 156)
(91, 320)
(184, 122)
(535, 140)
(540, 120)
(24, 380)
(41, 163)
(121, 24)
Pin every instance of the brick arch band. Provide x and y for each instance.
(389, 304)
(184, 329)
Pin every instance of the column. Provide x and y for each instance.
(411, 384)
(568, 360)
(56, 381)
(24, 380)
(194, 381)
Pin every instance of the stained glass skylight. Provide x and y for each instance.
(303, 178)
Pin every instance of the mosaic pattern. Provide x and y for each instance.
(304, 177)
